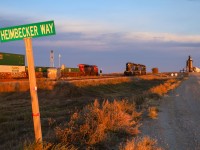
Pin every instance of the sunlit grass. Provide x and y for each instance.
(164, 88)
(153, 112)
(96, 122)
(144, 143)
(60, 100)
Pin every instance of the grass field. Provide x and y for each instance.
(64, 100)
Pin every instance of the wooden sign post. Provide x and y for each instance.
(26, 32)
(33, 90)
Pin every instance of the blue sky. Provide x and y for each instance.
(109, 33)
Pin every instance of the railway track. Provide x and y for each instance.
(66, 78)
(87, 78)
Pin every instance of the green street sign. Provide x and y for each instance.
(29, 30)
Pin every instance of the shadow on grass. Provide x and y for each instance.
(58, 102)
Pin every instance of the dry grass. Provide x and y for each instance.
(91, 127)
(153, 112)
(162, 89)
(93, 124)
(46, 84)
(14, 86)
(145, 143)
(154, 76)
(97, 82)
(63, 99)
(150, 104)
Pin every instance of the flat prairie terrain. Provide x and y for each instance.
(59, 100)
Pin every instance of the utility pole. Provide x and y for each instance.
(59, 56)
(51, 59)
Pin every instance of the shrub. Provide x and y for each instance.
(145, 143)
(94, 123)
(153, 112)
(164, 88)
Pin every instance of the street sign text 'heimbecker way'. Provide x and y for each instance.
(26, 31)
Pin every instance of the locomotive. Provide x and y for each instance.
(82, 70)
(91, 70)
(134, 69)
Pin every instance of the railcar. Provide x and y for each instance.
(134, 69)
(12, 66)
(70, 72)
(91, 70)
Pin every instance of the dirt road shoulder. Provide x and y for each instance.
(178, 124)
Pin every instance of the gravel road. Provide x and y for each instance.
(178, 123)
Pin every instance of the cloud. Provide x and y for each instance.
(98, 35)
(105, 46)
(86, 30)
(118, 41)
(85, 26)
(164, 37)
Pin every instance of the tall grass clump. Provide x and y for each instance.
(164, 88)
(153, 112)
(95, 122)
(145, 143)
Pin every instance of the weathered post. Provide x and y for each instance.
(33, 90)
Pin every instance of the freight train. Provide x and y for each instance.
(13, 66)
(134, 69)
